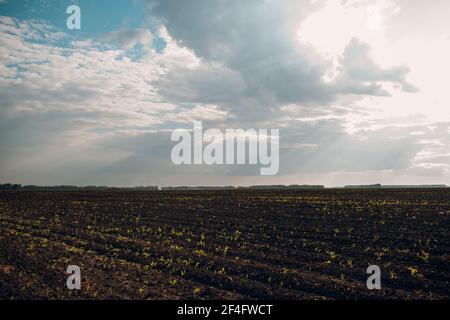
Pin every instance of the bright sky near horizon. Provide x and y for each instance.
(358, 89)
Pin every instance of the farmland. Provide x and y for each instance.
(241, 244)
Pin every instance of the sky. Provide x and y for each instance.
(358, 89)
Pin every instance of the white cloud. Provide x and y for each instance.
(128, 38)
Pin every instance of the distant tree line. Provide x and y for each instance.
(284, 187)
(10, 186)
(259, 187)
(382, 186)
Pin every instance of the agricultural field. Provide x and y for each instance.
(241, 244)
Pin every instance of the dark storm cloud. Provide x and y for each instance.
(358, 68)
(256, 42)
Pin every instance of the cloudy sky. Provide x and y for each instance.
(359, 89)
